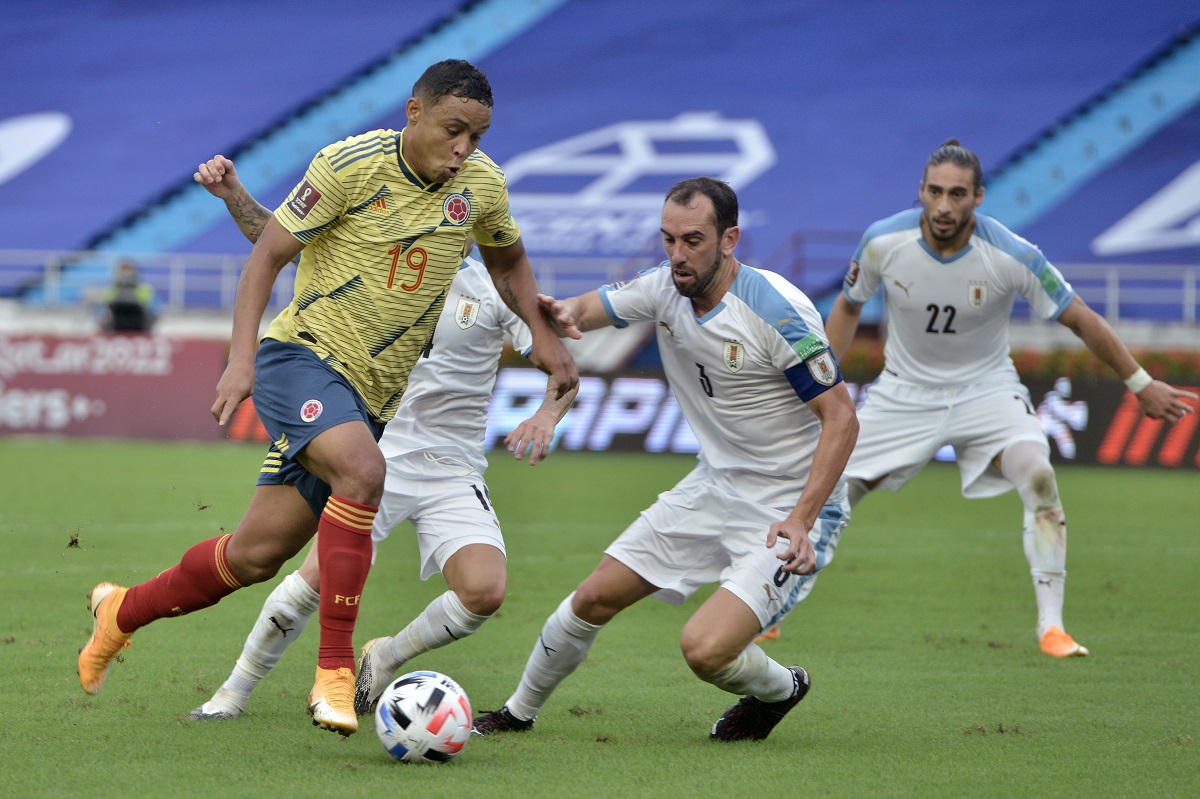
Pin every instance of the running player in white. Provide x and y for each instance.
(745, 355)
(950, 276)
(433, 448)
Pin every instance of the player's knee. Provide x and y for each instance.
(360, 478)
(592, 604)
(1044, 485)
(365, 480)
(702, 656)
(255, 567)
(482, 597)
(256, 560)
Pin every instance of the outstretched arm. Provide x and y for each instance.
(536, 433)
(1158, 399)
(219, 177)
(584, 312)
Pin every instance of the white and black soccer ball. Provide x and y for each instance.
(423, 717)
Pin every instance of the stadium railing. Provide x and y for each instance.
(1158, 293)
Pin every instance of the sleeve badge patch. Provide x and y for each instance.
(808, 346)
(305, 199)
(852, 274)
(823, 369)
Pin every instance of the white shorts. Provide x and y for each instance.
(704, 531)
(902, 426)
(447, 502)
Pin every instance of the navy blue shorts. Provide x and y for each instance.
(297, 397)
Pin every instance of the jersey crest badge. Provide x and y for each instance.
(976, 294)
(310, 410)
(467, 312)
(457, 209)
(852, 274)
(823, 369)
(735, 355)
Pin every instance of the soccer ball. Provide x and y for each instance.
(423, 717)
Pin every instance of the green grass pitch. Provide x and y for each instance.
(919, 638)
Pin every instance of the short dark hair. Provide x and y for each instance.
(453, 77)
(724, 201)
(953, 152)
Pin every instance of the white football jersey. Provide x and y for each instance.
(741, 373)
(948, 317)
(444, 410)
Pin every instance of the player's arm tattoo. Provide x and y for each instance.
(510, 298)
(250, 215)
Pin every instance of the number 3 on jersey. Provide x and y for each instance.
(415, 259)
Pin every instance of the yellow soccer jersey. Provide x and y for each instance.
(381, 247)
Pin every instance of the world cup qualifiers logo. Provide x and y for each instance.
(852, 274)
(457, 209)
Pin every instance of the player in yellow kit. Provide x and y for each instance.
(384, 220)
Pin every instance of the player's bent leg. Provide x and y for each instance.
(477, 578)
(1027, 466)
(753, 718)
(716, 643)
(564, 642)
(208, 572)
(608, 590)
(562, 645)
(443, 621)
(478, 575)
(717, 633)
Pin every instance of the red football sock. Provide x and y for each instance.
(344, 555)
(200, 580)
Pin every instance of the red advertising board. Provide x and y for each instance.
(121, 386)
(162, 388)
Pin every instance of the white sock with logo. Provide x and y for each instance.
(283, 617)
(561, 647)
(444, 621)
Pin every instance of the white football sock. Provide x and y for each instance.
(444, 621)
(1045, 529)
(562, 646)
(283, 617)
(752, 673)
